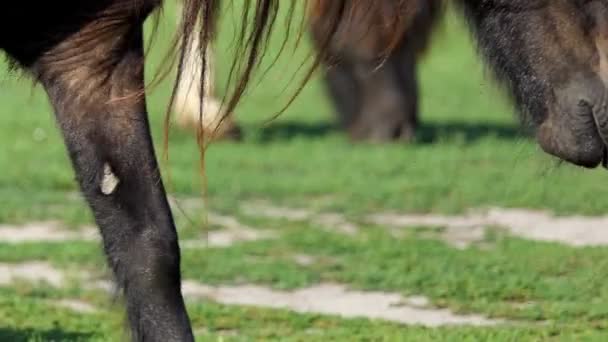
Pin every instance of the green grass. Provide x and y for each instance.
(469, 153)
(215, 322)
(544, 289)
(538, 281)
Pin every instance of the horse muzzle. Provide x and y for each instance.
(575, 128)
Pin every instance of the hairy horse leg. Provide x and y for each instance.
(373, 103)
(388, 104)
(344, 92)
(377, 102)
(94, 80)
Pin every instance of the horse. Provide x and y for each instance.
(550, 55)
(371, 102)
(377, 103)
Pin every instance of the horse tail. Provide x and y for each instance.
(388, 19)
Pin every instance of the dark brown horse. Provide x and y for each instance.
(372, 102)
(88, 55)
(375, 102)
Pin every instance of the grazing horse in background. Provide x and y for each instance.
(89, 57)
(371, 102)
(376, 103)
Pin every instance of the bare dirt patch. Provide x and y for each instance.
(232, 232)
(331, 221)
(534, 225)
(328, 299)
(35, 272)
(42, 272)
(336, 300)
(44, 231)
(460, 230)
(75, 305)
(303, 259)
(227, 238)
(265, 209)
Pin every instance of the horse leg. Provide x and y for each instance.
(405, 64)
(388, 99)
(389, 94)
(376, 102)
(344, 92)
(373, 103)
(94, 81)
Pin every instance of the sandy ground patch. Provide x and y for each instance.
(232, 232)
(31, 271)
(335, 299)
(228, 237)
(461, 230)
(529, 224)
(266, 209)
(44, 231)
(331, 299)
(75, 305)
(330, 221)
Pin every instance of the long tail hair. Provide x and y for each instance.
(388, 20)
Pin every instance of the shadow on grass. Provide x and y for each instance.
(289, 130)
(469, 132)
(32, 334)
(427, 133)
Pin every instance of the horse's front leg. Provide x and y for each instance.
(93, 79)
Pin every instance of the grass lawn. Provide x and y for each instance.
(470, 153)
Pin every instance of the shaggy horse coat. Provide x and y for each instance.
(551, 55)
(376, 102)
(372, 102)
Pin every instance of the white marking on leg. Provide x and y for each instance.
(109, 181)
